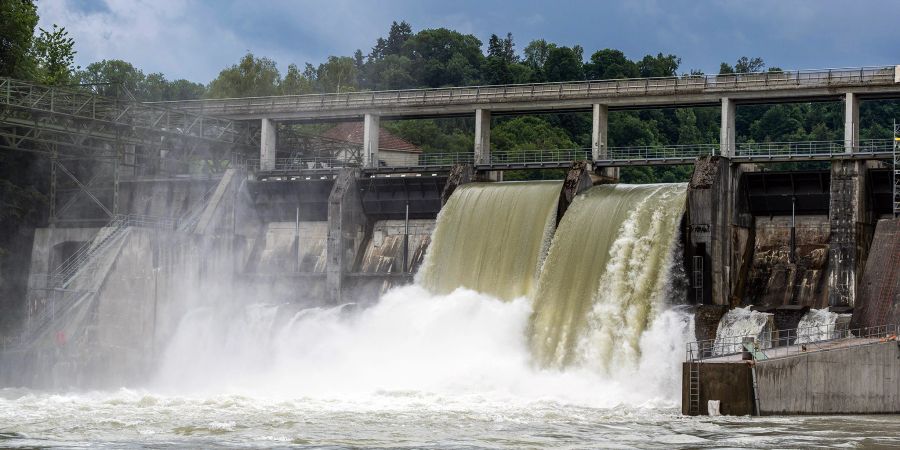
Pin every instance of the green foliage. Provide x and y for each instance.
(250, 77)
(17, 21)
(54, 56)
(119, 78)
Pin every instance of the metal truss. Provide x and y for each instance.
(92, 141)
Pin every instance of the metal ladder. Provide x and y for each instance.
(693, 384)
(896, 170)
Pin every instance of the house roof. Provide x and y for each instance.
(353, 132)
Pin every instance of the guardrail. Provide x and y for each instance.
(811, 148)
(548, 91)
(788, 342)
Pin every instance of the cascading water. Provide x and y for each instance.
(490, 237)
(607, 275)
(739, 323)
(821, 324)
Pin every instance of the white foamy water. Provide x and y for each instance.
(819, 325)
(738, 323)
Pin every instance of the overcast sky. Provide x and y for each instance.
(195, 39)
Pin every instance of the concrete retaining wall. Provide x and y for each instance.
(879, 301)
(856, 380)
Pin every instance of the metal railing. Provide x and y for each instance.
(539, 157)
(532, 158)
(810, 148)
(829, 78)
(779, 343)
(661, 152)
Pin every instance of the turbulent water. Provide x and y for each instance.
(738, 323)
(491, 237)
(821, 324)
(506, 341)
(606, 276)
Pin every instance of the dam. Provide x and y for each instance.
(437, 278)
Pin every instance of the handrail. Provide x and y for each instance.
(555, 90)
(787, 342)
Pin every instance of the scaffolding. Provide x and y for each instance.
(92, 141)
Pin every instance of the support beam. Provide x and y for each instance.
(346, 228)
(267, 152)
(851, 122)
(599, 132)
(371, 126)
(849, 221)
(727, 131)
(482, 136)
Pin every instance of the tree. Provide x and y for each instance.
(743, 65)
(17, 21)
(337, 75)
(54, 56)
(659, 66)
(497, 68)
(296, 82)
(110, 76)
(394, 44)
(251, 77)
(442, 57)
(564, 64)
(610, 64)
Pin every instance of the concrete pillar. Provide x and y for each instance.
(848, 220)
(599, 132)
(727, 131)
(482, 136)
(371, 126)
(346, 228)
(267, 152)
(578, 180)
(460, 174)
(851, 122)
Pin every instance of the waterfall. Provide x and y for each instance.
(739, 323)
(490, 237)
(607, 275)
(820, 325)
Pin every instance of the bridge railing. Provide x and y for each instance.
(546, 91)
(539, 157)
(789, 342)
(661, 152)
(810, 148)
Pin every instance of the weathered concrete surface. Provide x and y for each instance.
(856, 380)
(731, 384)
(706, 321)
(346, 230)
(774, 279)
(286, 247)
(578, 180)
(384, 250)
(879, 299)
(851, 230)
(712, 222)
(460, 174)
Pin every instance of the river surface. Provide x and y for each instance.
(131, 418)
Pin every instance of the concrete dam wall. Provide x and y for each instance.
(743, 237)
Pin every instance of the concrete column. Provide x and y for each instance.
(849, 223)
(371, 126)
(851, 122)
(482, 136)
(727, 131)
(599, 132)
(267, 137)
(346, 228)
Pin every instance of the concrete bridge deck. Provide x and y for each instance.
(823, 84)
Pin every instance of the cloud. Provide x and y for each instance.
(195, 39)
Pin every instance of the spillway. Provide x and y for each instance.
(490, 237)
(606, 275)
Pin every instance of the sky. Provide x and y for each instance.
(195, 39)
